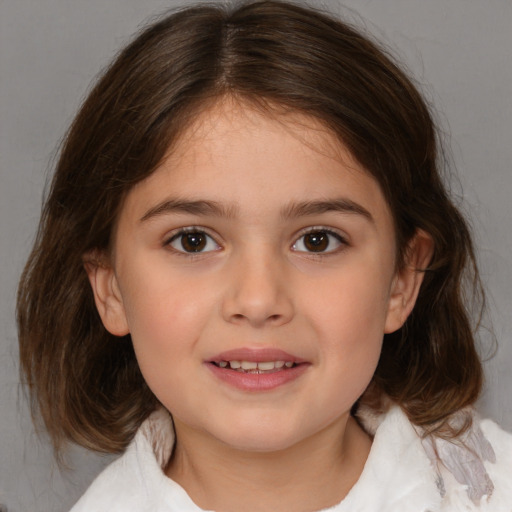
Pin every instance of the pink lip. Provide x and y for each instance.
(257, 382)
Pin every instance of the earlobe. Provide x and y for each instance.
(107, 295)
(407, 281)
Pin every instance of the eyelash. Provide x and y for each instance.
(186, 231)
(203, 232)
(323, 230)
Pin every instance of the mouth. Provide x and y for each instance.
(255, 367)
(254, 370)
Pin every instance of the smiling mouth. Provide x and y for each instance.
(260, 367)
(257, 371)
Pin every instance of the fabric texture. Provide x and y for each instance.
(405, 472)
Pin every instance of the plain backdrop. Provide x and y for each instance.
(459, 51)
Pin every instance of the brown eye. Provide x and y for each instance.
(193, 241)
(318, 242)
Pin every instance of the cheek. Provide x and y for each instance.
(355, 303)
(165, 330)
(165, 323)
(348, 322)
(350, 316)
(162, 299)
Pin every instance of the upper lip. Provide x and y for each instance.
(256, 355)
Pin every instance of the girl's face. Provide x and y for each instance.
(259, 242)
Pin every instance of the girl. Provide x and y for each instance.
(249, 278)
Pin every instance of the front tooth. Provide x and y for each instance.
(235, 364)
(279, 364)
(267, 365)
(249, 365)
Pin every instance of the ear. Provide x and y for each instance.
(106, 293)
(407, 281)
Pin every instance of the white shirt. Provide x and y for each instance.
(398, 475)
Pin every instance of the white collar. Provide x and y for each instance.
(397, 476)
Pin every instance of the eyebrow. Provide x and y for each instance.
(200, 207)
(293, 210)
(341, 205)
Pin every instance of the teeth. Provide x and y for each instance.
(258, 366)
(270, 365)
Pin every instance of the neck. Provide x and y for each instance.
(314, 474)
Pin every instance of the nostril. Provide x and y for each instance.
(238, 317)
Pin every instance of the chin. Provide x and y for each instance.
(258, 444)
(264, 437)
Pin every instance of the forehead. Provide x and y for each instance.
(231, 119)
(235, 151)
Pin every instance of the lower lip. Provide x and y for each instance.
(258, 381)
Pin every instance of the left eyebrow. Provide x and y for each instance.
(202, 208)
(332, 205)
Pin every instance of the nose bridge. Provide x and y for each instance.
(258, 291)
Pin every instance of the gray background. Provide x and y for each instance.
(50, 50)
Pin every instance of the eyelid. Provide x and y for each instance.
(340, 236)
(175, 233)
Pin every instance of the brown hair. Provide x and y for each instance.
(84, 381)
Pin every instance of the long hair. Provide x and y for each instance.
(86, 382)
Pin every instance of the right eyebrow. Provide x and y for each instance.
(204, 208)
(340, 205)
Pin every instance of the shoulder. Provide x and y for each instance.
(500, 472)
(398, 476)
(474, 470)
(495, 473)
(407, 471)
(120, 487)
(136, 481)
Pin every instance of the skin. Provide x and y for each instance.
(257, 285)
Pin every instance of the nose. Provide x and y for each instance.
(259, 292)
